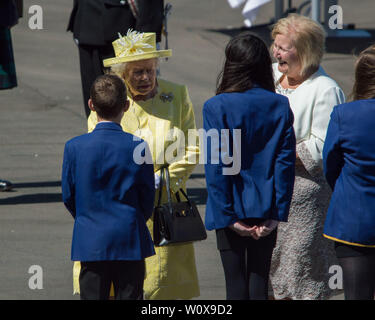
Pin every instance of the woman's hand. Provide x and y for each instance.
(266, 228)
(244, 230)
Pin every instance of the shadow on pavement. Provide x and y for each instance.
(197, 176)
(41, 184)
(343, 45)
(198, 195)
(32, 198)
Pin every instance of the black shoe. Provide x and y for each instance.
(5, 185)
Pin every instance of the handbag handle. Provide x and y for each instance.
(185, 195)
(168, 185)
(165, 172)
(161, 185)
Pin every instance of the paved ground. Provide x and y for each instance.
(46, 110)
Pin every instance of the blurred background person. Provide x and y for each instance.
(302, 256)
(250, 10)
(95, 25)
(349, 166)
(10, 12)
(245, 208)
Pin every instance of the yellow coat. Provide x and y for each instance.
(165, 122)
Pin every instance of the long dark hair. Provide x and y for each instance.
(247, 62)
(364, 84)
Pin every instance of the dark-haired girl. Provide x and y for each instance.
(244, 206)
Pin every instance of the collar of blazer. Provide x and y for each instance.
(105, 125)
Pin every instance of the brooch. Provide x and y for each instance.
(166, 97)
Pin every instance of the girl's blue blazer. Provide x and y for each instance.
(349, 167)
(266, 153)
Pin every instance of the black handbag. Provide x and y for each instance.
(176, 222)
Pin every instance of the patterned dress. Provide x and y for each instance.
(302, 256)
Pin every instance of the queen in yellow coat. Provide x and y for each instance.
(162, 114)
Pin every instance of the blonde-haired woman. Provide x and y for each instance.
(302, 257)
(162, 114)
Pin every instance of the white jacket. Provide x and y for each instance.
(312, 103)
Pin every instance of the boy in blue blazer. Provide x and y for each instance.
(110, 198)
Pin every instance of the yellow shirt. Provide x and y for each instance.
(167, 123)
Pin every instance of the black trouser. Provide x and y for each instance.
(127, 277)
(358, 267)
(246, 263)
(91, 64)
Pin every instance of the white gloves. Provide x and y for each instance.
(157, 181)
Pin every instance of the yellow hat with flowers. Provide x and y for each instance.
(135, 46)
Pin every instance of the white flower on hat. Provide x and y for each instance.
(133, 43)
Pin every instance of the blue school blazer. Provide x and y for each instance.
(109, 196)
(262, 185)
(349, 167)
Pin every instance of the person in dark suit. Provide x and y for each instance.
(10, 12)
(95, 25)
(349, 167)
(110, 197)
(244, 207)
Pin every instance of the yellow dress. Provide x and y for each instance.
(167, 123)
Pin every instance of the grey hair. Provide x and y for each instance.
(119, 68)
